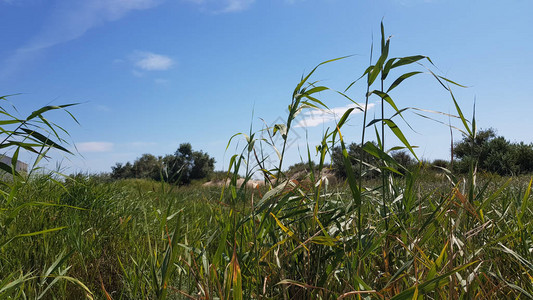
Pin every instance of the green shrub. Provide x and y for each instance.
(493, 153)
(184, 166)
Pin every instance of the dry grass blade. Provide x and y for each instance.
(358, 293)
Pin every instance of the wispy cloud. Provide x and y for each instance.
(71, 20)
(293, 1)
(414, 2)
(149, 61)
(223, 6)
(102, 108)
(7, 1)
(315, 117)
(94, 147)
(237, 5)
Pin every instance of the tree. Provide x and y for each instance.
(403, 158)
(524, 158)
(181, 167)
(189, 165)
(202, 166)
(354, 153)
(469, 151)
(440, 163)
(493, 153)
(120, 171)
(147, 166)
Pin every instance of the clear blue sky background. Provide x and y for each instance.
(151, 74)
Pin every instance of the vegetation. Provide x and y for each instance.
(300, 170)
(494, 154)
(35, 135)
(359, 161)
(180, 168)
(408, 232)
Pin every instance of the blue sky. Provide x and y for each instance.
(152, 74)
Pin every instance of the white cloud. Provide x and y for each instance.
(293, 1)
(223, 6)
(315, 117)
(414, 2)
(10, 2)
(198, 2)
(237, 5)
(70, 20)
(149, 61)
(94, 147)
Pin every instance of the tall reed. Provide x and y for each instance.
(412, 233)
(36, 135)
(305, 244)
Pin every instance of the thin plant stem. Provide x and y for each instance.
(362, 151)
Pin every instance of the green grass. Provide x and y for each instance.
(411, 233)
(295, 245)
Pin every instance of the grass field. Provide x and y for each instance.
(138, 239)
